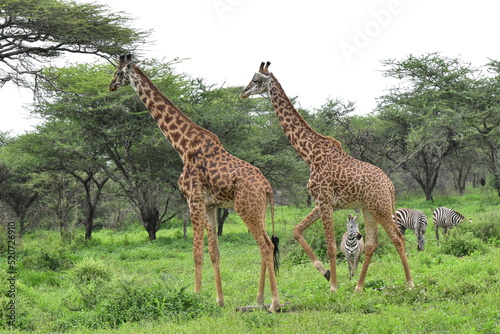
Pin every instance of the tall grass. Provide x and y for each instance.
(120, 282)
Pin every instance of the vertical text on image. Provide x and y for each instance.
(11, 270)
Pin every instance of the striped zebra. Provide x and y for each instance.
(414, 220)
(446, 219)
(352, 245)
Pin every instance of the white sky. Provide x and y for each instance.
(318, 48)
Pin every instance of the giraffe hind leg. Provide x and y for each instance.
(399, 242)
(255, 222)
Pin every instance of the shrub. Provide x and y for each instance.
(487, 230)
(463, 244)
(133, 301)
(91, 270)
(53, 258)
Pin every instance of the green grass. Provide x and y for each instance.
(120, 282)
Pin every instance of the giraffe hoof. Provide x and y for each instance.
(327, 275)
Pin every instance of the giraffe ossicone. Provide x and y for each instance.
(211, 178)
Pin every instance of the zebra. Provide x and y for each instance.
(352, 245)
(414, 220)
(446, 219)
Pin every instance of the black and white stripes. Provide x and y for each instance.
(446, 219)
(352, 245)
(414, 220)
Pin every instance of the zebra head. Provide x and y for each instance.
(352, 227)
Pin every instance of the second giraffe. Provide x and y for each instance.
(337, 181)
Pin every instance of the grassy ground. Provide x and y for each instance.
(121, 283)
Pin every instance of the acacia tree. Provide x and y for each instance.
(58, 148)
(117, 133)
(361, 136)
(481, 112)
(16, 194)
(34, 32)
(423, 113)
(461, 164)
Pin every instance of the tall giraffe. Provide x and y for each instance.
(337, 181)
(211, 178)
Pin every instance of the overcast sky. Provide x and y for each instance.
(319, 49)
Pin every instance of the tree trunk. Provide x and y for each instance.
(152, 235)
(89, 225)
(92, 201)
(151, 221)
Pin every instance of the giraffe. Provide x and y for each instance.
(211, 178)
(337, 181)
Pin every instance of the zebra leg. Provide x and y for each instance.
(420, 242)
(402, 229)
(350, 265)
(437, 235)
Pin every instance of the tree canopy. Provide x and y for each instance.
(100, 154)
(34, 32)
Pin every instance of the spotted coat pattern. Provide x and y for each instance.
(211, 178)
(337, 181)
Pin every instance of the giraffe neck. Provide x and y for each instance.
(184, 135)
(303, 138)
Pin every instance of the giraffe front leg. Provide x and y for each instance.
(298, 232)
(331, 246)
(213, 248)
(370, 245)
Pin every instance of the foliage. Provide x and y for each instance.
(422, 112)
(91, 270)
(34, 31)
(126, 146)
(120, 282)
(463, 244)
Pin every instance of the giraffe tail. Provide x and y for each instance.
(274, 239)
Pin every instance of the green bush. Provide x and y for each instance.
(134, 302)
(91, 270)
(50, 257)
(487, 230)
(462, 244)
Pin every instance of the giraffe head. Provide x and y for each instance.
(121, 77)
(260, 82)
(352, 227)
